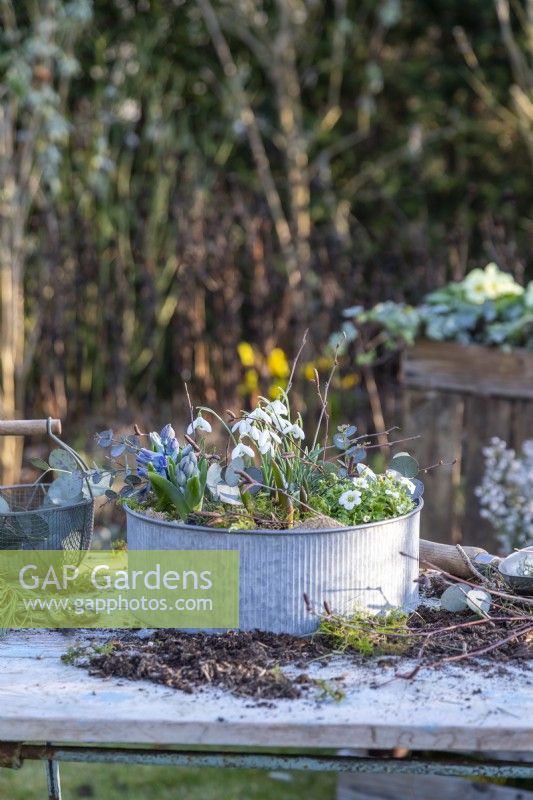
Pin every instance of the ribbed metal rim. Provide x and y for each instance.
(264, 531)
(86, 502)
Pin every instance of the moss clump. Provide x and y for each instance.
(382, 634)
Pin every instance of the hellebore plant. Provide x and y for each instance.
(273, 477)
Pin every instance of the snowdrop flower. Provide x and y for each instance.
(243, 426)
(350, 499)
(296, 431)
(254, 433)
(264, 443)
(277, 408)
(283, 425)
(242, 450)
(260, 415)
(199, 424)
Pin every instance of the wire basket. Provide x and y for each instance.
(32, 525)
(29, 519)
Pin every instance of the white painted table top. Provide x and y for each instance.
(454, 708)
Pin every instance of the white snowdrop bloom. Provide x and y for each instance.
(277, 408)
(243, 426)
(350, 499)
(281, 424)
(296, 431)
(264, 443)
(242, 450)
(366, 472)
(260, 415)
(199, 424)
(253, 432)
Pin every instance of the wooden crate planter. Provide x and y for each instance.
(458, 397)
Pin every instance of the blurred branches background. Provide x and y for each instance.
(179, 176)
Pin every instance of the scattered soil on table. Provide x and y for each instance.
(248, 664)
(251, 664)
(459, 640)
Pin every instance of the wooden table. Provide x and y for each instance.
(52, 711)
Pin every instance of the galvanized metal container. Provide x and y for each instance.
(350, 568)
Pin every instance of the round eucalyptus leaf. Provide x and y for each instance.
(405, 464)
(229, 494)
(105, 438)
(230, 476)
(357, 453)
(341, 441)
(39, 463)
(454, 598)
(61, 459)
(350, 430)
(110, 494)
(214, 476)
(257, 475)
(66, 489)
(4, 505)
(479, 601)
(118, 449)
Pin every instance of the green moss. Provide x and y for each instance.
(382, 634)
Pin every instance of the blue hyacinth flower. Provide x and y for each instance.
(157, 460)
(168, 440)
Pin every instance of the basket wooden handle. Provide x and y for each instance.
(448, 558)
(28, 427)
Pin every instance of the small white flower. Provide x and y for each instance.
(264, 443)
(283, 425)
(243, 426)
(253, 432)
(199, 424)
(260, 415)
(350, 499)
(277, 408)
(410, 486)
(392, 494)
(296, 431)
(242, 450)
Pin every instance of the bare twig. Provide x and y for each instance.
(469, 563)
(296, 359)
(324, 401)
(454, 579)
(191, 410)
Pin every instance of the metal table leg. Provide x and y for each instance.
(54, 782)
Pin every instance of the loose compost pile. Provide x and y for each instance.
(254, 664)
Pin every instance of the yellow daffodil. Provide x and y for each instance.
(246, 354)
(277, 363)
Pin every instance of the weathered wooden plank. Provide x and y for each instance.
(468, 369)
(437, 419)
(42, 699)
(421, 787)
